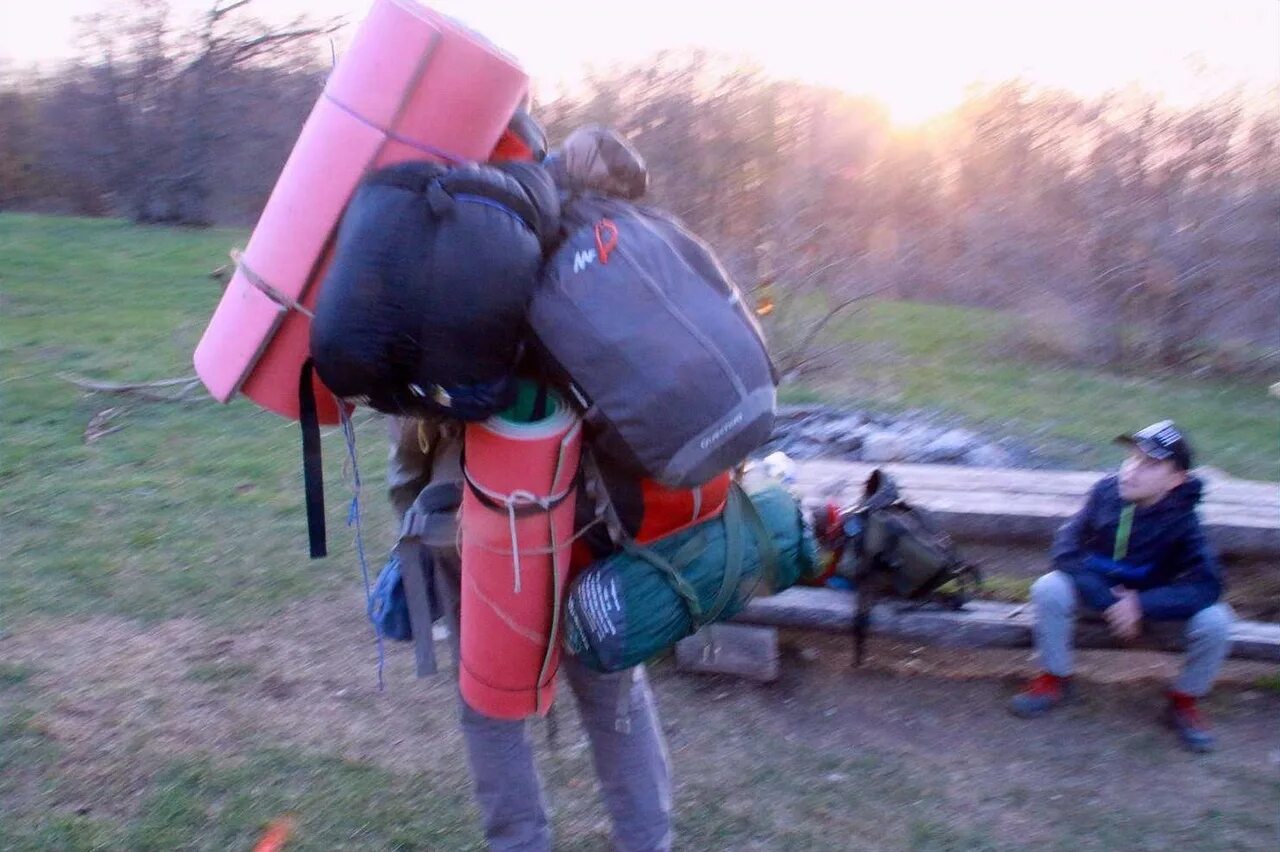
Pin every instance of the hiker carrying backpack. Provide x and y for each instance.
(890, 549)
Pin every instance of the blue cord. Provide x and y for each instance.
(353, 520)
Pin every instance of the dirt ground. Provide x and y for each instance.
(924, 723)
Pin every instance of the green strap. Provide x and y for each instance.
(738, 507)
(731, 519)
(769, 559)
(679, 583)
(1122, 533)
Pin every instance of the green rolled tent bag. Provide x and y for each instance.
(624, 609)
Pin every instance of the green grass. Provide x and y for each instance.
(998, 587)
(63, 832)
(1270, 683)
(934, 837)
(197, 511)
(14, 675)
(217, 802)
(198, 508)
(22, 745)
(188, 508)
(952, 361)
(221, 674)
(212, 804)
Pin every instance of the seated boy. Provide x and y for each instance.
(1135, 551)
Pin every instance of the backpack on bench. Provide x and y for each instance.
(891, 550)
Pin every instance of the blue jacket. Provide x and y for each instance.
(1167, 559)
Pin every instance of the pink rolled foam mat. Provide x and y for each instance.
(414, 85)
(517, 531)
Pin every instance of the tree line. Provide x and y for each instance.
(1118, 230)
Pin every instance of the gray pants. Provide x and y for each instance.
(626, 746)
(617, 709)
(1054, 599)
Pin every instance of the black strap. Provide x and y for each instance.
(414, 176)
(312, 469)
(541, 375)
(522, 510)
(499, 186)
(861, 623)
(540, 402)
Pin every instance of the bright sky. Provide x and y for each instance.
(916, 56)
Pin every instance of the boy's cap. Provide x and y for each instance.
(1161, 441)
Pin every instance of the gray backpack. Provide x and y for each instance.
(642, 323)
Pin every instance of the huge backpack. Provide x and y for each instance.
(423, 308)
(890, 549)
(654, 339)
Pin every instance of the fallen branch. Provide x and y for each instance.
(185, 387)
(817, 327)
(98, 427)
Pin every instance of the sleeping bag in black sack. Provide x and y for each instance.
(656, 342)
(624, 609)
(423, 307)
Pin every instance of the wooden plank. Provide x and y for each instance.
(980, 624)
(1058, 506)
(1030, 522)
(734, 649)
(1064, 507)
(1245, 494)
(1028, 517)
(1218, 488)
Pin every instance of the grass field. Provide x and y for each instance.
(955, 362)
(187, 508)
(174, 672)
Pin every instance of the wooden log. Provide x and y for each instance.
(981, 624)
(1219, 488)
(1007, 515)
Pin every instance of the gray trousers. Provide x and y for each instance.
(626, 746)
(1054, 599)
(617, 710)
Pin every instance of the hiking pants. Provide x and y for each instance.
(1054, 600)
(627, 749)
(617, 711)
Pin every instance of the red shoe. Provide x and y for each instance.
(1045, 692)
(1185, 717)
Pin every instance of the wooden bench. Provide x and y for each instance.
(1242, 518)
(979, 624)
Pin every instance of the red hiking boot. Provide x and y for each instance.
(1045, 692)
(1192, 726)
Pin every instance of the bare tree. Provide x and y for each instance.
(143, 111)
(1132, 232)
